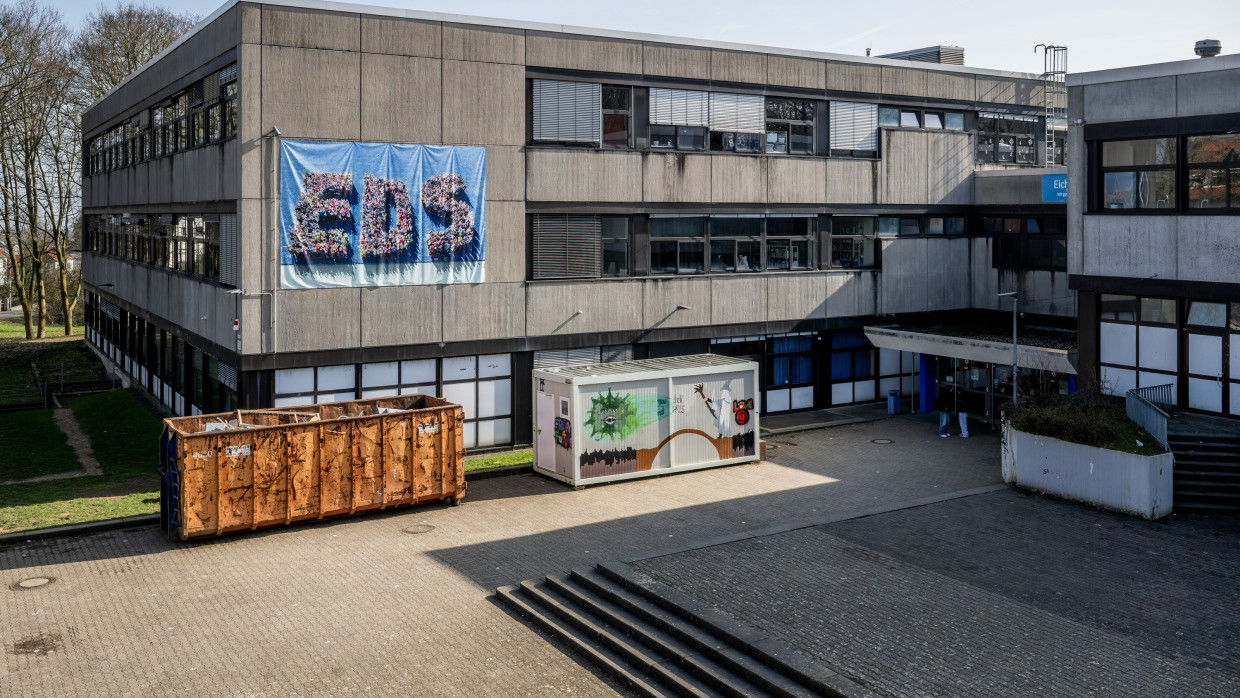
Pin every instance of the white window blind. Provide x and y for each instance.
(679, 107)
(566, 247)
(568, 111)
(744, 113)
(854, 126)
(558, 358)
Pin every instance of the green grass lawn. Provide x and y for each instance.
(521, 456)
(54, 355)
(33, 445)
(14, 328)
(125, 439)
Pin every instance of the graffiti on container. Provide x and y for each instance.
(236, 451)
(742, 444)
(614, 416)
(563, 432)
(613, 462)
(741, 409)
(720, 408)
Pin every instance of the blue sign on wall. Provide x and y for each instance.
(381, 214)
(1055, 189)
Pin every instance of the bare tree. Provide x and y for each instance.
(116, 41)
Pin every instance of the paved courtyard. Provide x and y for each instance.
(905, 564)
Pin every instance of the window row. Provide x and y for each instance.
(1008, 138)
(202, 114)
(1188, 173)
(1162, 311)
(1028, 242)
(187, 244)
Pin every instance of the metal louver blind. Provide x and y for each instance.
(558, 358)
(211, 87)
(568, 111)
(566, 247)
(854, 126)
(744, 113)
(228, 249)
(679, 107)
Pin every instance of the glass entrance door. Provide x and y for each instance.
(1207, 357)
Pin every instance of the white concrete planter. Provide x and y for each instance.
(1126, 482)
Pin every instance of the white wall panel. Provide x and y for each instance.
(1205, 394)
(421, 371)
(1117, 344)
(337, 378)
(494, 398)
(460, 368)
(802, 398)
(494, 365)
(1158, 348)
(1118, 381)
(294, 380)
(462, 394)
(1205, 354)
(778, 400)
(386, 373)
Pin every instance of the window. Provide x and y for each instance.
(735, 244)
(567, 246)
(677, 245)
(910, 119)
(1158, 311)
(1006, 138)
(617, 116)
(853, 245)
(1138, 174)
(792, 361)
(854, 129)
(788, 243)
(736, 122)
(679, 119)
(789, 126)
(1213, 171)
(934, 120)
(615, 238)
(566, 112)
(889, 116)
(1029, 242)
(1120, 308)
(953, 121)
(899, 117)
(1207, 314)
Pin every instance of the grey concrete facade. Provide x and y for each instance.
(405, 76)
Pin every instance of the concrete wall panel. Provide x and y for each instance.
(852, 293)
(397, 315)
(737, 299)
(676, 177)
(660, 296)
(481, 102)
(1207, 93)
(491, 45)
(330, 110)
(796, 72)
(677, 61)
(1208, 248)
(231, 186)
(505, 256)
(737, 66)
(904, 275)
(401, 37)
(941, 85)
(854, 77)
(946, 287)
(1154, 98)
(1134, 246)
(553, 175)
(796, 181)
(400, 99)
(577, 52)
(505, 173)
(310, 28)
(254, 245)
(738, 179)
(606, 306)
(904, 167)
(851, 181)
(483, 311)
(1000, 90)
(950, 168)
(319, 319)
(1076, 173)
(793, 297)
(251, 29)
(250, 118)
(904, 81)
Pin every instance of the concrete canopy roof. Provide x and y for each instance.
(1039, 358)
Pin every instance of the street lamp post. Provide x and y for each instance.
(1015, 368)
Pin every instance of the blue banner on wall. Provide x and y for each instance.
(381, 214)
(1054, 189)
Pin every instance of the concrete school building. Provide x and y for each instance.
(313, 201)
(1154, 228)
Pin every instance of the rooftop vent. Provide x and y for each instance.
(1208, 48)
(949, 55)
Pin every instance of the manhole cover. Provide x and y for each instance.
(31, 583)
(418, 528)
(881, 441)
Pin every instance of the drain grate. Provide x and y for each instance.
(418, 528)
(882, 441)
(31, 583)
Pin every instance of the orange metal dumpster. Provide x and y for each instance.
(248, 469)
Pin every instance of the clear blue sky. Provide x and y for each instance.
(1098, 33)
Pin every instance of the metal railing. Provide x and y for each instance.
(1147, 407)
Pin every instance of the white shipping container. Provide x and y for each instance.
(630, 419)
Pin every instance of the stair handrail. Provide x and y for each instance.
(1145, 407)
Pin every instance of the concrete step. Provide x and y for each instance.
(1229, 456)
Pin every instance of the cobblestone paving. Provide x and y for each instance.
(356, 606)
(999, 594)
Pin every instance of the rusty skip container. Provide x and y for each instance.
(249, 469)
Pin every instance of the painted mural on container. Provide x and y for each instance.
(381, 214)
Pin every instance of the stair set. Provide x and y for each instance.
(1207, 472)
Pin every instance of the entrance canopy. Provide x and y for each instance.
(1040, 358)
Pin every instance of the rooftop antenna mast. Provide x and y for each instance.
(1054, 102)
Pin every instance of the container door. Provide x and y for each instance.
(546, 431)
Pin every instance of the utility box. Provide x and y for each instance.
(604, 422)
(248, 469)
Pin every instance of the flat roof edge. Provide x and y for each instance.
(1155, 70)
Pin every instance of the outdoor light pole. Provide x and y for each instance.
(1015, 368)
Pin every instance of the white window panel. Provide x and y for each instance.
(380, 392)
(1157, 347)
(494, 432)
(419, 390)
(841, 393)
(494, 365)
(471, 434)
(1118, 381)
(906, 385)
(294, 380)
(337, 378)
(460, 368)
(778, 400)
(906, 362)
(462, 394)
(494, 398)
(679, 107)
(420, 371)
(802, 398)
(335, 397)
(1234, 341)
(1205, 394)
(1117, 344)
(1149, 379)
(386, 373)
(886, 384)
(1205, 354)
(733, 112)
(854, 126)
(863, 391)
(1235, 398)
(888, 362)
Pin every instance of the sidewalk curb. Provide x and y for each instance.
(148, 520)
